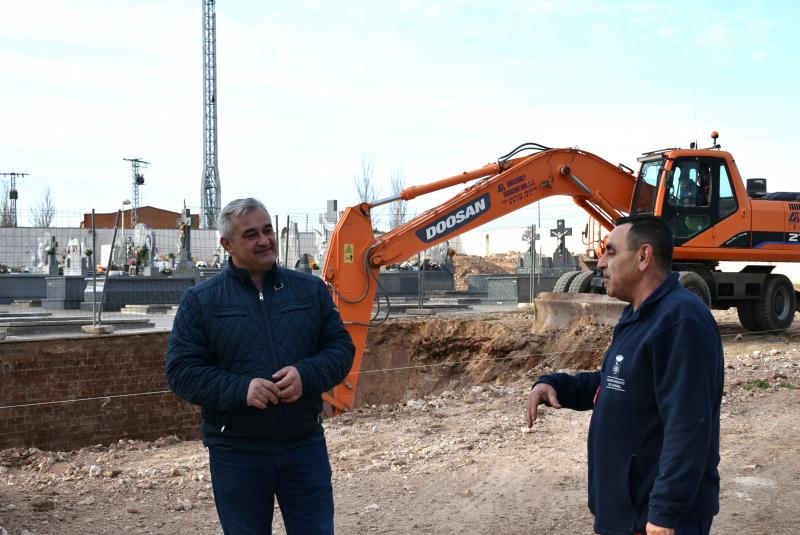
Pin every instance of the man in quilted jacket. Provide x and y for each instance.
(255, 347)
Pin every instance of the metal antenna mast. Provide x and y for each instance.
(210, 197)
(13, 195)
(138, 180)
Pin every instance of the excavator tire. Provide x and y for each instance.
(582, 284)
(563, 282)
(775, 308)
(695, 284)
(747, 315)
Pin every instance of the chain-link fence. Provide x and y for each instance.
(55, 280)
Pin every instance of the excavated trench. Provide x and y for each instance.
(410, 358)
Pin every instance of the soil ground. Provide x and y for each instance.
(495, 264)
(439, 444)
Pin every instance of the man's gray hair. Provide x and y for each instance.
(236, 208)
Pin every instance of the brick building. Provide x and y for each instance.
(149, 215)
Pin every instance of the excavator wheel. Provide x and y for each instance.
(582, 284)
(695, 284)
(563, 282)
(747, 315)
(775, 308)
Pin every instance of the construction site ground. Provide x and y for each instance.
(439, 444)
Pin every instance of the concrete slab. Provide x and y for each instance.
(28, 320)
(97, 329)
(420, 311)
(69, 326)
(149, 309)
(27, 303)
(14, 314)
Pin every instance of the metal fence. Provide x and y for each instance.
(60, 279)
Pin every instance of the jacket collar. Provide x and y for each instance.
(652, 300)
(271, 277)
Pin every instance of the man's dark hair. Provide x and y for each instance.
(653, 231)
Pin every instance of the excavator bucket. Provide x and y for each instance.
(557, 310)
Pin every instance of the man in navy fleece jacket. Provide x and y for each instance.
(654, 433)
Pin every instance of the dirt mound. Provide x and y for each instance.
(407, 359)
(473, 265)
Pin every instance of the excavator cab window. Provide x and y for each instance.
(699, 194)
(727, 197)
(644, 199)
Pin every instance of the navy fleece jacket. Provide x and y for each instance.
(226, 333)
(654, 433)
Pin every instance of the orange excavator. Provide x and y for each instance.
(715, 216)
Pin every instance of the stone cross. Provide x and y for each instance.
(560, 232)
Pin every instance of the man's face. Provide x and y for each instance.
(254, 246)
(620, 265)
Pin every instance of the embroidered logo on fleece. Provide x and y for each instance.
(614, 381)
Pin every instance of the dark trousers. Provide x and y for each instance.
(246, 484)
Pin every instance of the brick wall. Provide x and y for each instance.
(149, 215)
(81, 368)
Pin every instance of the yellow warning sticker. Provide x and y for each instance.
(349, 253)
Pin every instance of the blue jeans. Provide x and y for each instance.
(246, 483)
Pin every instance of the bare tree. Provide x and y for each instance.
(365, 185)
(43, 214)
(397, 210)
(6, 217)
(527, 237)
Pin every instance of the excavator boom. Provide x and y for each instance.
(352, 266)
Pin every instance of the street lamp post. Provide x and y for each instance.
(125, 203)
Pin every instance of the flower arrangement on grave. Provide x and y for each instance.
(142, 254)
(4, 269)
(50, 249)
(131, 262)
(88, 252)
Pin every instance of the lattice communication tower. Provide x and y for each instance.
(210, 196)
(138, 180)
(13, 195)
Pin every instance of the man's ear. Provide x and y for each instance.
(645, 256)
(225, 244)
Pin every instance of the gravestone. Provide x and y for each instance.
(144, 243)
(39, 254)
(184, 257)
(52, 262)
(75, 263)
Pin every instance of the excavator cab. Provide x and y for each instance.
(698, 193)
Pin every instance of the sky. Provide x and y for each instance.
(308, 90)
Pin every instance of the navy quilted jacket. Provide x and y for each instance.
(226, 333)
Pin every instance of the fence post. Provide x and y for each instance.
(94, 273)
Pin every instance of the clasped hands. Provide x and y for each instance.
(286, 387)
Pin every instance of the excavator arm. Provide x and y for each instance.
(355, 256)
